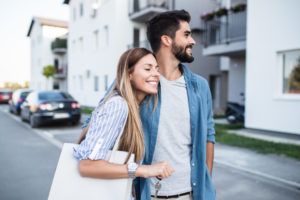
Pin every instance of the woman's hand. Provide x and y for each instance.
(161, 170)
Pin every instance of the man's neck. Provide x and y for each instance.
(168, 66)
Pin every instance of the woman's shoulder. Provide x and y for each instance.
(116, 101)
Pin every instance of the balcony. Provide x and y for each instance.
(226, 35)
(61, 73)
(59, 46)
(144, 44)
(142, 10)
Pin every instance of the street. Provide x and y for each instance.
(29, 158)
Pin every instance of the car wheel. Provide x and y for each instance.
(33, 122)
(22, 117)
(74, 123)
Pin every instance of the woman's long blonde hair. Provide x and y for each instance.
(132, 139)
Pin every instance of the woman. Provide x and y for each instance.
(137, 76)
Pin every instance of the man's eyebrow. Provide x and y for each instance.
(187, 31)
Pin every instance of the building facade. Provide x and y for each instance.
(273, 66)
(42, 33)
(100, 31)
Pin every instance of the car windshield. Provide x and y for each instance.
(25, 94)
(54, 96)
(5, 92)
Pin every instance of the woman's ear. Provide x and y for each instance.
(166, 40)
(130, 76)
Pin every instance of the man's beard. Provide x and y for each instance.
(180, 53)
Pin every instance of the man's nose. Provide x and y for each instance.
(192, 41)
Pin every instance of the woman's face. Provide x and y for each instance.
(145, 76)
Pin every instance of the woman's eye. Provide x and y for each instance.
(147, 69)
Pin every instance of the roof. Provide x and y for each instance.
(47, 22)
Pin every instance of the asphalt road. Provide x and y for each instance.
(28, 159)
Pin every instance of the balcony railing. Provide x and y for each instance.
(225, 29)
(142, 10)
(61, 73)
(144, 44)
(59, 45)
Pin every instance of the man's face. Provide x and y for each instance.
(183, 43)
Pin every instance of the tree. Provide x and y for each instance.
(294, 79)
(49, 71)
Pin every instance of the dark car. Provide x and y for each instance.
(17, 100)
(5, 95)
(50, 106)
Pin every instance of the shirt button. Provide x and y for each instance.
(193, 164)
(194, 184)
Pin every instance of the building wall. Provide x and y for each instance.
(96, 58)
(272, 27)
(41, 54)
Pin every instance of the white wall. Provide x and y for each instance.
(273, 26)
(99, 61)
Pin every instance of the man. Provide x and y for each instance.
(180, 131)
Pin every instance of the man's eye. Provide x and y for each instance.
(147, 69)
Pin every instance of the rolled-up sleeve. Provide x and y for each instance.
(105, 127)
(210, 119)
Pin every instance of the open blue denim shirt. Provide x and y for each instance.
(202, 130)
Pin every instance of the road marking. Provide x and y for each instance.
(44, 134)
(260, 174)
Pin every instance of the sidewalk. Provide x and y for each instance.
(278, 169)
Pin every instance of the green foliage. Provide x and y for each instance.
(59, 43)
(86, 110)
(294, 79)
(261, 146)
(49, 71)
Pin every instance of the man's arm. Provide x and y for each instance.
(210, 134)
(210, 156)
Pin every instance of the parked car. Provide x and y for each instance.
(50, 106)
(17, 100)
(5, 95)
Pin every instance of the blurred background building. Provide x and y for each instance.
(248, 51)
(48, 47)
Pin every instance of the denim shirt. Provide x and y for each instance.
(202, 130)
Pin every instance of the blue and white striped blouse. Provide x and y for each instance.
(105, 127)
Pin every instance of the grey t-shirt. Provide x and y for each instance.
(174, 141)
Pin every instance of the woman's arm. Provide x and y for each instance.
(106, 170)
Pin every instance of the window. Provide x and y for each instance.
(81, 9)
(106, 82)
(96, 39)
(80, 82)
(96, 83)
(74, 45)
(74, 14)
(106, 35)
(80, 40)
(291, 72)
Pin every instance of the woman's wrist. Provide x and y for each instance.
(140, 171)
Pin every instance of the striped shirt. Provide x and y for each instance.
(107, 122)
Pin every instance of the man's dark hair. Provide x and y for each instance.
(166, 23)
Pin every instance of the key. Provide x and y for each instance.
(157, 188)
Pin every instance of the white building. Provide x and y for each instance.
(42, 33)
(101, 30)
(273, 56)
(259, 46)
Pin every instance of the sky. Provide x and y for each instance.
(15, 18)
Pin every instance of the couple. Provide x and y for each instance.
(169, 126)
